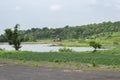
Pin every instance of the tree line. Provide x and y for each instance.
(69, 32)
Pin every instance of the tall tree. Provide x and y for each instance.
(13, 37)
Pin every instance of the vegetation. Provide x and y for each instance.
(106, 34)
(107, 57)
(90, 31)
(13, 37)
(65, 50)
(95, 45)
(2, 49)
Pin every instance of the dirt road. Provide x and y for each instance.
(20, 72)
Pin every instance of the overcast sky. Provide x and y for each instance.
(56, 13)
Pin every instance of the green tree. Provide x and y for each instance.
(2, 38)
(13, 37)
(70, 32)
(95, 45)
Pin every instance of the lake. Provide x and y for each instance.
(44, 47)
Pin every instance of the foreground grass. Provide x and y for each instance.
(110, 57)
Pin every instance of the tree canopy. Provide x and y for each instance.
(69, 32)
(13, 37)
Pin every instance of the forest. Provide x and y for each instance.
(69, 32)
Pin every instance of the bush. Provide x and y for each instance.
(57, 60)
(65, 50)
(94, 64)
(95, 45)
(2, 49)
(116, 43)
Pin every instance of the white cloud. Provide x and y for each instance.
(55, 7)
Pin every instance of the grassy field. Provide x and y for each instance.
(108, 57)
(106, 40)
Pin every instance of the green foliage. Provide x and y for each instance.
(107, 57)
(2, 49)
(58, 60)
(94, 64)
(81, 41)
(95, 45)
(116, 43)
(13, 37)
(2, 38)
(71, 32)
(65, 50)
(74, 32)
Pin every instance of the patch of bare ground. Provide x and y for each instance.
(24, 72)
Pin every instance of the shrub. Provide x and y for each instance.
(94, 64)
(2, 49)
(57, 60)
(116, 43)
(65, 50)
(95, 45)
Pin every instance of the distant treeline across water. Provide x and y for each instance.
(69, 32)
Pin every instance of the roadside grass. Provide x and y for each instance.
(107, 57)
(63, 65)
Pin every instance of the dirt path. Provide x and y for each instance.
(19, 72)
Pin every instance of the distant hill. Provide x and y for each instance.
(71, 32)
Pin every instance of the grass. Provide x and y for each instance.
(74, 42)
(110, 57)
(113, 40)
(115, 37)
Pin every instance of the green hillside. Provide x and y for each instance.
(105, 33)
(112, 39)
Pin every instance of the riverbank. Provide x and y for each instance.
(32, 43)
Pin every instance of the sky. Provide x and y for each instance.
(56, 13)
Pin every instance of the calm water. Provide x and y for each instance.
(43, 47)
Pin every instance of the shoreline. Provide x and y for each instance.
(33, 43)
